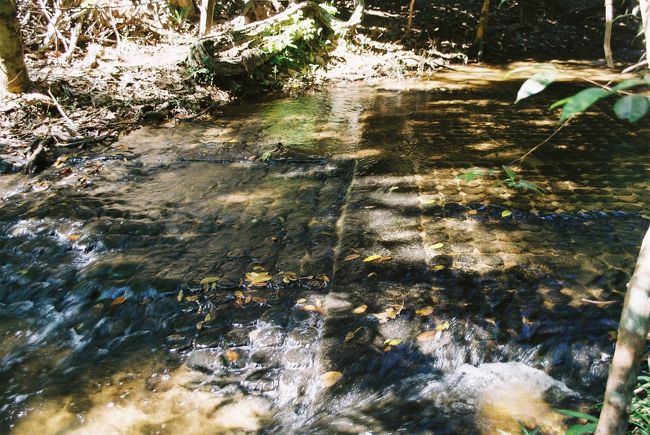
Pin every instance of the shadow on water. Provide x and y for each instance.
(106, 321)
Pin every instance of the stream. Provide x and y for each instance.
(314, 265)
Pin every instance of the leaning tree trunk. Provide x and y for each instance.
(630, 346)
(241, 50)
(607, 43)
(13, 72)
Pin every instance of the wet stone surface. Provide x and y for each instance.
(206, 277)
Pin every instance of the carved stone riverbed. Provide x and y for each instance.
(203, 278)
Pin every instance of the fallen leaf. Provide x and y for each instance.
(360, 309)
(383, 259)
(74, 237)
(437, 245)
(442, 326)
(118, 301)
(258, 279)
(427, 335)
(424, 311)
(301, 301)
(274, 238)
(323, 278)
(371, 274)
(259, 300)
(239, 295)
(231, 355)
(392, 342)
(288, 277)
(209, 280)
(349, 336)
(180, 295)
(428, 201)
(351, 257)
(59, 162)
(393, 188)
(472, 212)
(199, 326)
(208, 317)
(438, 267)
(505, 213)
(371, 258)
(310, 308)
(612, 335)
(192, 298)
(328, 379)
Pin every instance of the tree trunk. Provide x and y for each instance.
(13, 72)
(482, 29)
(410, 20)
(206, 17)
(644, 5)
(607, 43)
(630, 346)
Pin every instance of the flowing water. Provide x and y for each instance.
(204, 278)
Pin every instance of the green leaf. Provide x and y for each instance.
(505, 213)
(577, 414)
(509, 172)
(536, 84)
(631, 83)
(631, 107)
(580, 429)
(582, 101)
(562, 102)
(468, 176)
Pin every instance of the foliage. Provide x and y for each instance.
(629, 107)
(296, 46)
(506, 176)
(640, 413)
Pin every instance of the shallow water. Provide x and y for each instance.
(125, 304)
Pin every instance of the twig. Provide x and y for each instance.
(533, 149)
(71, 124)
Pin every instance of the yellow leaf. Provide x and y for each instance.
(351, 257)
(208, 317)
(428, 201)
(239, 294)
(349, 336)
(427, 336)
(301, 301)
(472, 212)
(371, 258)
(310, 308)
(74, 237)
(328, 379)
(259, 300)
(118, 301)
(392, 342)
(360, 309)
(382, 259)
(209, 280)
(438, 267)
(442, 326)
(191, 298)
(231, 355)
(180, 295)
(323, 278)
(437, 245)
(505, 213)
(258, 279)
(424, 311)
